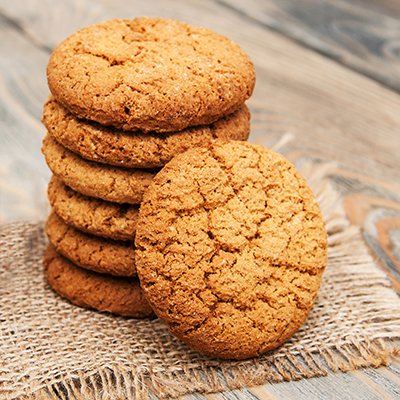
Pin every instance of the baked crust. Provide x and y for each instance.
(231, 247)
(151, 74)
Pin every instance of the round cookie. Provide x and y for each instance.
(230, 248)
(119, 185)
(108, 145)
(88, 289)
(92, 215)
(150, 74)
(105, 256)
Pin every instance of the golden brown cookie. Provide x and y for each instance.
(108, 145)
(92, 252)
(119, 185)
(92, 215)
(88, 289)
(150, 74)
(231, 247)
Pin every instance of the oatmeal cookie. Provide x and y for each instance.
(108, 145)
(92, 252)
(231, 247)
(119, 185)
(92, 215)
(151, 74)
(88, 289)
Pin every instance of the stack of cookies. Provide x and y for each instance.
(127, 96)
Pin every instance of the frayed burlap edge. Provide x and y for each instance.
(372, 348)
(115, 384)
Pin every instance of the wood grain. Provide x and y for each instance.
(23, 174)
(363, 35)
(309, 105)
(380, 222)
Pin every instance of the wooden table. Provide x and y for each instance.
(328, 83)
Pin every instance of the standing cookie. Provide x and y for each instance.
(150, 74)
(231, 247)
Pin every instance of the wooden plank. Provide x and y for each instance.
(333, 113)
(363, 35)
(23, 172)
(332, 387)
(369, 384)
(380, 222)
(383, 379)
(389, 8)
(326, 112)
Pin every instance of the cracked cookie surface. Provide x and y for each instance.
(119, 185)
(92, 215)
(88, 289)
(231, 247)
(150, 74)
(108, 145)
(91, 252)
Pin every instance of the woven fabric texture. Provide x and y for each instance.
(51, 349)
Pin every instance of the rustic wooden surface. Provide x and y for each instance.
(328, 84)
(361, 34)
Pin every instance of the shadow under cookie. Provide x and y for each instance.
(119, 185)
(88, 289)
(89, 251)
(92, 215)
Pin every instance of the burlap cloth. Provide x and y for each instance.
(50, 348)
